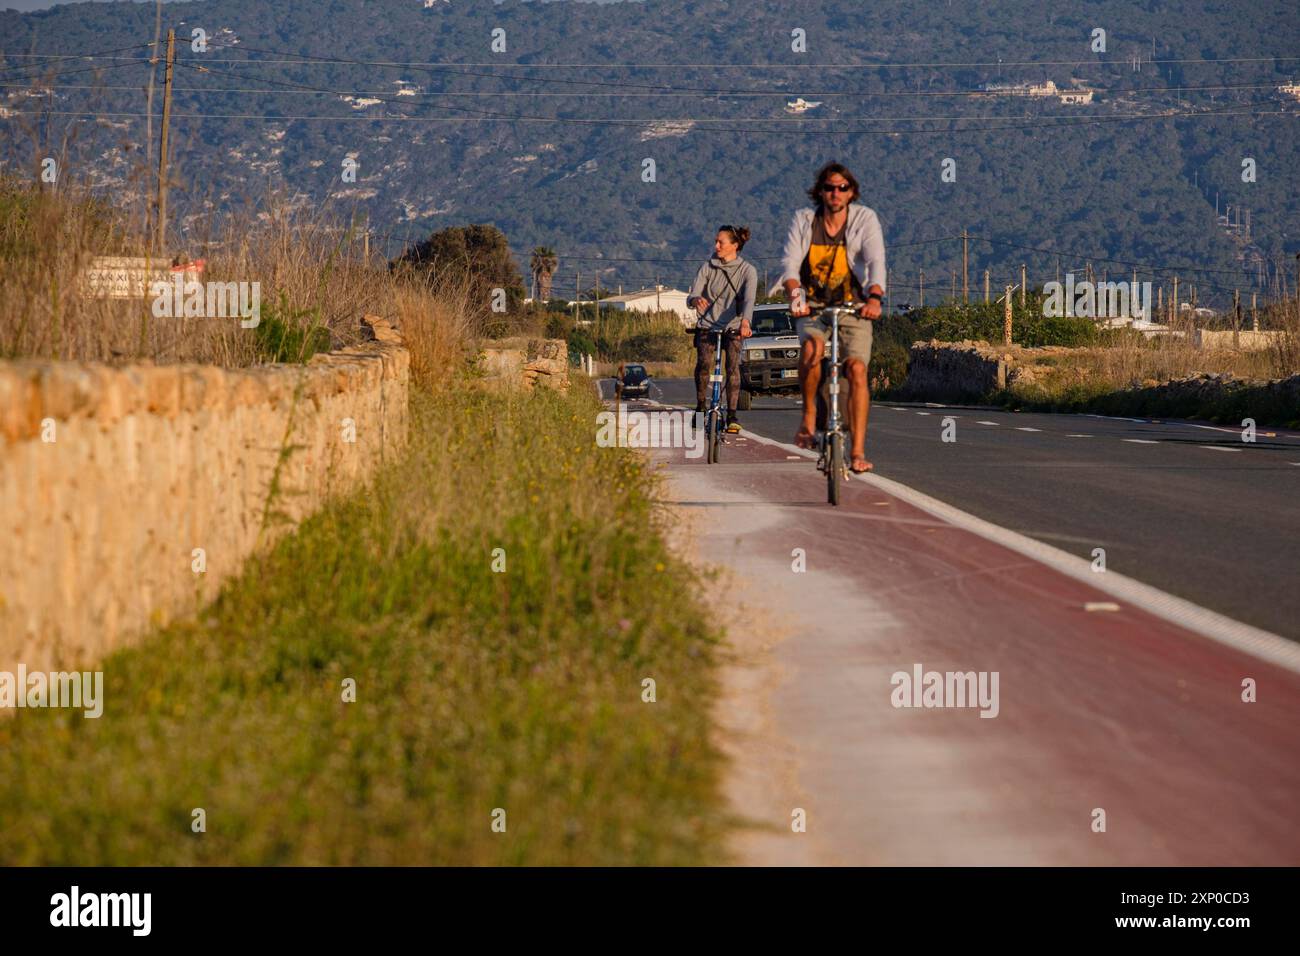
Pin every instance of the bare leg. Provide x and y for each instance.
(859, 406)
(810, 377)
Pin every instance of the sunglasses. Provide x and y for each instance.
(837, 188)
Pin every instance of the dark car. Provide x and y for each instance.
(769, 360)
(633, 381)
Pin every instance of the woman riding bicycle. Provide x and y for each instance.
(723, 294)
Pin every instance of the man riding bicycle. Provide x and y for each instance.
(835, 253)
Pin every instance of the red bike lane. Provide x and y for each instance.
(1119, 737)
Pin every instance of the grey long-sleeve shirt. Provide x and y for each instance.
(864, 245)
(726, 311)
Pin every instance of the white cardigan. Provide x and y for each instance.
(864, 245)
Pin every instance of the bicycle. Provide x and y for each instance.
(831, 433)
(714, 417)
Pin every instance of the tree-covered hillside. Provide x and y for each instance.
(550, 139)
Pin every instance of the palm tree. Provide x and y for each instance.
(543, 264)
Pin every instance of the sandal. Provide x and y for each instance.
(860, 459)
(804, 438)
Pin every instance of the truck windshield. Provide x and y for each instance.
(774, 322)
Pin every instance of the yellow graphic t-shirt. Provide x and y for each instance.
(825, 273)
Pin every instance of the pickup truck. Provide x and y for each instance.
(769, 359)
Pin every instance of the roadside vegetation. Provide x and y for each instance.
(314, 279)
(499, 595)
(1115, 371)
(475, 690)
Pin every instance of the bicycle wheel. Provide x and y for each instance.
(714, 436)
(834, 467)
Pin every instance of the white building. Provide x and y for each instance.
(1077, 96)
(658, 299)
(801, 105)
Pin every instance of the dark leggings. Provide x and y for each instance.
(704, 345)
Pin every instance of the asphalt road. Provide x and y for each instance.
(1185, 507)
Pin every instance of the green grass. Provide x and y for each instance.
(475, 690)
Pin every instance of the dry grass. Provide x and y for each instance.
(1131, 361)
(315, 285)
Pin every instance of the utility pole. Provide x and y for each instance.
(1254, 311)
(1023, 282)
(1236, 319)
(160, 235)
(597, 298)
(366, 246)
(922, 305)
(1006, 318)
(577, 295)
(1174, 312)
(986, 286)
(965, 273)
(657, 289)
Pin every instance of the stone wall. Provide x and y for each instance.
(1243, 339)
(111, 478)
(527, 363)
(971, 371)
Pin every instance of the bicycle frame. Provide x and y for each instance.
(831, 437)
(713, 413)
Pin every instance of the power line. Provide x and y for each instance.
(1123, 262)
(448, 64)
(40, 78)
(665, 95)
(697, 124)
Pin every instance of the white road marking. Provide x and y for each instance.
(1120, 418)
(1141, 441)
(1218, 448)
(1101, 606)
(1022, 428)
(1246, 638)
(1078, 436)
(1213, 428)
(994, 424)
(923, 413)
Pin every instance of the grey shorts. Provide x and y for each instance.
(855, 335)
